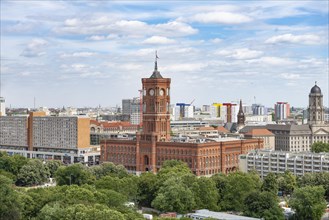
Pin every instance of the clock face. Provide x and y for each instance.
(161, 92)
(151, 92)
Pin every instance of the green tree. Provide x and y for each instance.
(263, 205)
(205, 193)
(9, 204)
(308, 202)
(221, 182)
(52, 166)
(174, 196)
(319, 147)
(13, 163)
(315, 179)
(79, 212)
(110, 198)
(73, 174)
(238, 186)
(127, 186)
(32, 173)
(287, 182)
(146, 189)
(109, 168)
(270, 184)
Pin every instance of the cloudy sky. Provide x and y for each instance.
(86, 53)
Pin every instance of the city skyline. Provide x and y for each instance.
(87, 53)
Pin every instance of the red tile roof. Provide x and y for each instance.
(259, 132)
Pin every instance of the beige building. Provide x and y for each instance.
(45, 137)
(266, 135)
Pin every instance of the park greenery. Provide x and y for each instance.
(319, 147)
(103, 191)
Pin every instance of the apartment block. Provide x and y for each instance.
(45, 137)
(269, 161)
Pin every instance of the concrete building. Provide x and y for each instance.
(258, 109)
(206, 214)
(2, 107)
(269, 161)
(188, 112)
(258, 118)
(45, 137)
(281, 110)
(132, 108)
(154, 145)
(291, 137)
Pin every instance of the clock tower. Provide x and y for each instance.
(156, 120)
(156, 103)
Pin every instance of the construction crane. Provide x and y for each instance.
(182, 109)
(218, 108)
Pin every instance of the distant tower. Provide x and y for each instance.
(2, 107)
(315, 109)
(241, 116)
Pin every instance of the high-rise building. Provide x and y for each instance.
(281, 110)
(2, 107)
(154, 144)
(45, 137)
(259, 110)
(132, 107)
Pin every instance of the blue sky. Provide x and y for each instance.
(86, 53)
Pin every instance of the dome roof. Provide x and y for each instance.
(315, 89)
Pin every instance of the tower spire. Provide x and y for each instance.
(241, 116)
(240, 108)
(156, 61)
(156, 73)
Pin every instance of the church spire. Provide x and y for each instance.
(241, 117)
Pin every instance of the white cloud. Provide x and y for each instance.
(297, 39)
(289, 76)
(216, 40)
(35, 48)
(132, 28)
(240, 54)
(158, 40)
(275, 61)
(97, 37)
(78, 54)
(71, 22)
(221, 18)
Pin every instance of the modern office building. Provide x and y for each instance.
(132, 107)
(2, 107)
(259, 109)
(154, 144)
(269, 161)
(281, 110)
(45, 137)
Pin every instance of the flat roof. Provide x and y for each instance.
(219, 215)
